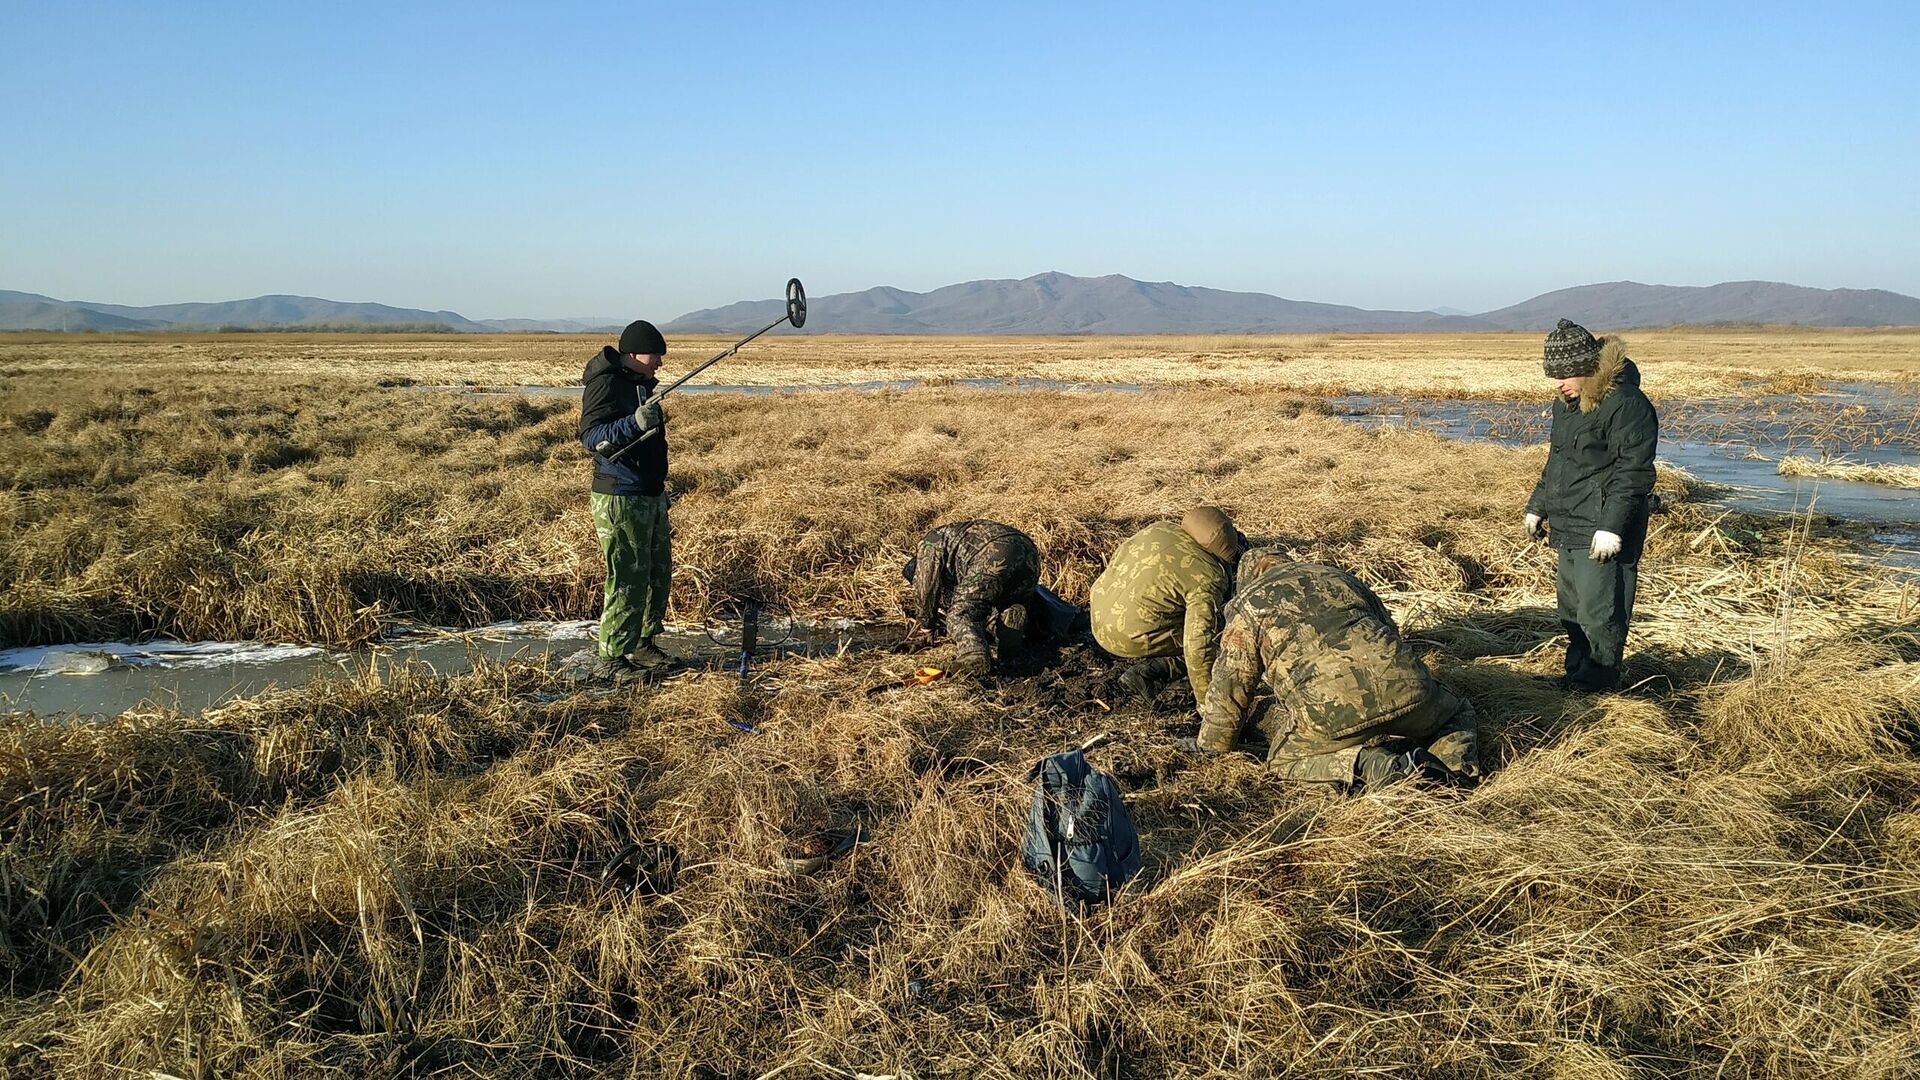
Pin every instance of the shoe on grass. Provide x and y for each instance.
(615, 671)
(649, 656)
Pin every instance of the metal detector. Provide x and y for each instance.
(796, 314)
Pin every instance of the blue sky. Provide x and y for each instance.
(641, 160)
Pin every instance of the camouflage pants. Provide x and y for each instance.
(637, 546)
(1444, 724)
(1000, 575)
(1596, 602)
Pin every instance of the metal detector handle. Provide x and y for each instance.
(796, 314)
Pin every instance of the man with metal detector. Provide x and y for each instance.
(622, 422)
(623, 425)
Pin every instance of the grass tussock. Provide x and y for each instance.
(402, 879)
(322, 512)
(1716, 874)
(1866, 472)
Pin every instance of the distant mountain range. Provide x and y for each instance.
(1057, 303)
(31, 311)
(1051, 303)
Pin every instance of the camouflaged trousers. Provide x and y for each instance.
(637, 545)
(1444, 723)
(1002, 574)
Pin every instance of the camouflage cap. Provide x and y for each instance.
(1213, 530)
(1257, 563)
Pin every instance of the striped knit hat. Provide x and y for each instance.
(1571, 351)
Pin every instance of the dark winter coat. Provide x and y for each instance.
(1599, 471)
(607, 402)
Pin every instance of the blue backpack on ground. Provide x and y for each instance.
(1080, 844)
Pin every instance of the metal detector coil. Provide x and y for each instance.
(796, 303)
(796, 314)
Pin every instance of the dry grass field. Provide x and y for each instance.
(1716, 874)
(1677, 362)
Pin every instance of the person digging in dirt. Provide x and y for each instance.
(1595, 493)
(1310, 657)
(1159, 600)
(629, 500)
(975, 571)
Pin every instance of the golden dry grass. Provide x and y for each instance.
(1676, 362)
(1867, 472)
(1716, 875)
(318, 511)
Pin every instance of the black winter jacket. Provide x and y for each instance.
(610, 395)
(1599, 471)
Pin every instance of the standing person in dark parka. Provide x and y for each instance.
(629, 500)
(1595, 494)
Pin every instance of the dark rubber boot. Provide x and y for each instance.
(1145, 680)
(648, 656)
(1011, 640)
(615, 671)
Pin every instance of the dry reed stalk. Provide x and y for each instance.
(1906, 476)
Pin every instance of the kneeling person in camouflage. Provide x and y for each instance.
(974, 571)
(1311, 657)
(1158, 601)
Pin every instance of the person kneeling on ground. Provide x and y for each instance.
(1311, 657)
(1596, 492)
(1159, 600)
(629, 500)
(973, 571)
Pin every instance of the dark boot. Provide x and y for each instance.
(1012, 637)
(972, 662)
(649, 657)
(1592, 679)
(1144, 680)
(1380, 766)
(614, 670)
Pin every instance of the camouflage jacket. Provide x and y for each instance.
(946, 555)
(1162, 595)
(1323, 649)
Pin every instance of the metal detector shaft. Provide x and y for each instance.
(796, 314)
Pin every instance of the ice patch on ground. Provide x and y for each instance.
(95, 656)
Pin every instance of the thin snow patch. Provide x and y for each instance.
(92, 657)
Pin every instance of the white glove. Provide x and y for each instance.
(1605, 546)
(1534, 525)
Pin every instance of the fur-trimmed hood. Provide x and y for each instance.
(1614, 368)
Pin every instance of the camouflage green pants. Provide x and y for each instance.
(637, 546)
(1444, 724)
(1000, 575)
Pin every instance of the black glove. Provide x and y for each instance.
(650, 415)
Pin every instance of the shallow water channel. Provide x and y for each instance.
(1733, 444)
(108, 678)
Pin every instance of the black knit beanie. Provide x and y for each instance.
(1571, 351)
(640, 337)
